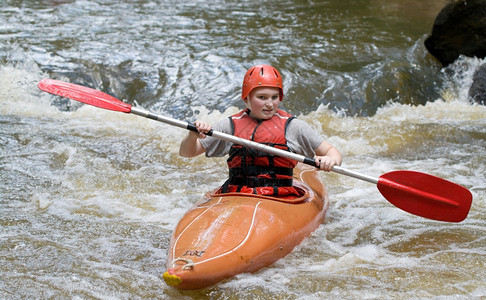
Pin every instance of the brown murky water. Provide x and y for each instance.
(89, 197)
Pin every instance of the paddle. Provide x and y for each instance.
(417, 193)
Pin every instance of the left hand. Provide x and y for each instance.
(325, 163)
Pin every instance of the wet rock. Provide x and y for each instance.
(477, 91)
(459, 29)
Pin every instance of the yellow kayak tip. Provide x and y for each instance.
(171, 280)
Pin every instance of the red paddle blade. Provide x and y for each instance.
(426, 195)
(83, 94)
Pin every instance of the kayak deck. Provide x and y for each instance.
(227, 234)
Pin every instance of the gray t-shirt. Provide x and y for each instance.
(301, 139)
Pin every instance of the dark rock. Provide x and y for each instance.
(460, 28)
(477, 91)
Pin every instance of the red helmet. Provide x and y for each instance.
(261, 75)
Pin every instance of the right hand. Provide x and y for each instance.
(202, 128)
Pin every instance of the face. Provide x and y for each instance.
(263, 102)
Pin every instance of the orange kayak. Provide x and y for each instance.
(227, 234)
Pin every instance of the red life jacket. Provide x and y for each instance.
(258, 172)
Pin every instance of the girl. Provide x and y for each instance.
(252, 171)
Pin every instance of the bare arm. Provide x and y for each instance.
(327, 156)
(190, 144)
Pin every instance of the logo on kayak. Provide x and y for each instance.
(194, 253)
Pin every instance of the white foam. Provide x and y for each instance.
(19, 93)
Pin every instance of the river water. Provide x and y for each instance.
(89, 197)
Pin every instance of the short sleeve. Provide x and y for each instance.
(217, 147)
(302, 139)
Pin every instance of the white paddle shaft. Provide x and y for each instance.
(250, 144)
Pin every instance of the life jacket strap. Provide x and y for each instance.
(259, 182)
(251, 170)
